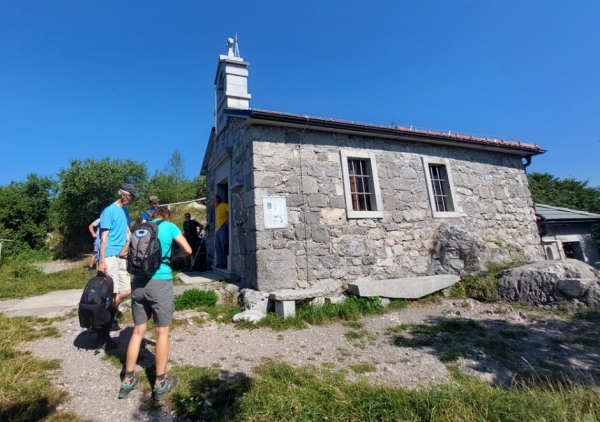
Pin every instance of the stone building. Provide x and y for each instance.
(314, 200)
(567, 233)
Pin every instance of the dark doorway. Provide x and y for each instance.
(573, 250)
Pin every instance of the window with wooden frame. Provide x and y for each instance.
(440, 187)
(361, 184)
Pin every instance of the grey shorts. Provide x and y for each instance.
(152, 297)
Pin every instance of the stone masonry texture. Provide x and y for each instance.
(321, 243)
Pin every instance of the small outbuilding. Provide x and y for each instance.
(567, 233)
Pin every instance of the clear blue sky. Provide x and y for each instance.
(134, 79)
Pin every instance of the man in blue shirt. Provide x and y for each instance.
(147, 215)
(114, 233)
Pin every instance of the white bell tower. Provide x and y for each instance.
(231, 84)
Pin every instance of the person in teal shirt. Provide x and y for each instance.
(153, 297)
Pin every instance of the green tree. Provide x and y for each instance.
(24, 213)
(172, 185)
(568, 193)
(84, 190)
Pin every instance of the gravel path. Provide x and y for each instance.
(91, 379)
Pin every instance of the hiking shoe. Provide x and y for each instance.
(128, 388)
(170, 384)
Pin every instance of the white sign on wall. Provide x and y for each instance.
(275, 212)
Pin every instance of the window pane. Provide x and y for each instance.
(359, 185)
(440, 188)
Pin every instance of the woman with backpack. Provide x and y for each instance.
(153, 296)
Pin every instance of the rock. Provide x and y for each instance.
(251, 316)
(125, 305)
(337, 300)
(255, 301)
(574, 287)
(189, 314)
(460, 250)
(403, 288)
(538, 283)
(385, 302)
(232, 288)
(318, 301)
(592, 296)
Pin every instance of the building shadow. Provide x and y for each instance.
(542, 352)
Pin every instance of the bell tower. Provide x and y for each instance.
(231, 84)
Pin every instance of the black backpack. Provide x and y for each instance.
(96, 310)
(145, 253)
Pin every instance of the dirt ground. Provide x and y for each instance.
(495, 342)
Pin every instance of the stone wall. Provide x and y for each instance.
(241, 201)
(320, 243)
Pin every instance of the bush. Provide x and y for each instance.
(193, 298)
(482, 287)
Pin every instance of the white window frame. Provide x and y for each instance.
(376, 202)
(453, 198)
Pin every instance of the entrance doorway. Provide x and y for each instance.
(573, 250)
(222, 189)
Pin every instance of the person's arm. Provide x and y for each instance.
(101, 261)
(92, 230)
(181, 241)
(125, 250)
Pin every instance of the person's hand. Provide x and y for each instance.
(94, 235)
(102, 267)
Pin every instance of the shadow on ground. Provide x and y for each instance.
(556, 351)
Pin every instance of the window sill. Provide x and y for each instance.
(448, 214)
(364, 214)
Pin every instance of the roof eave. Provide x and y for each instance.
(263, 117)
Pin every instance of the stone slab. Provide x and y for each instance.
(403, 288)
(297, 294)
(198, 278)
(285, 308)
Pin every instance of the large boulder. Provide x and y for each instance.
(547, 282)
(461, 251)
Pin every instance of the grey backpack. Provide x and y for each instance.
(145, 253)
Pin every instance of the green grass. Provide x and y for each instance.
(281, 392)
(363, 367)
(351, 309)
(26, 393)
(193, 298)
(355, 335)
(18, 278)
(398, 304)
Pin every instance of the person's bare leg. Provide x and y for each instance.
(133, 349)
(121, 296)
(93, 260)
(161, 355)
